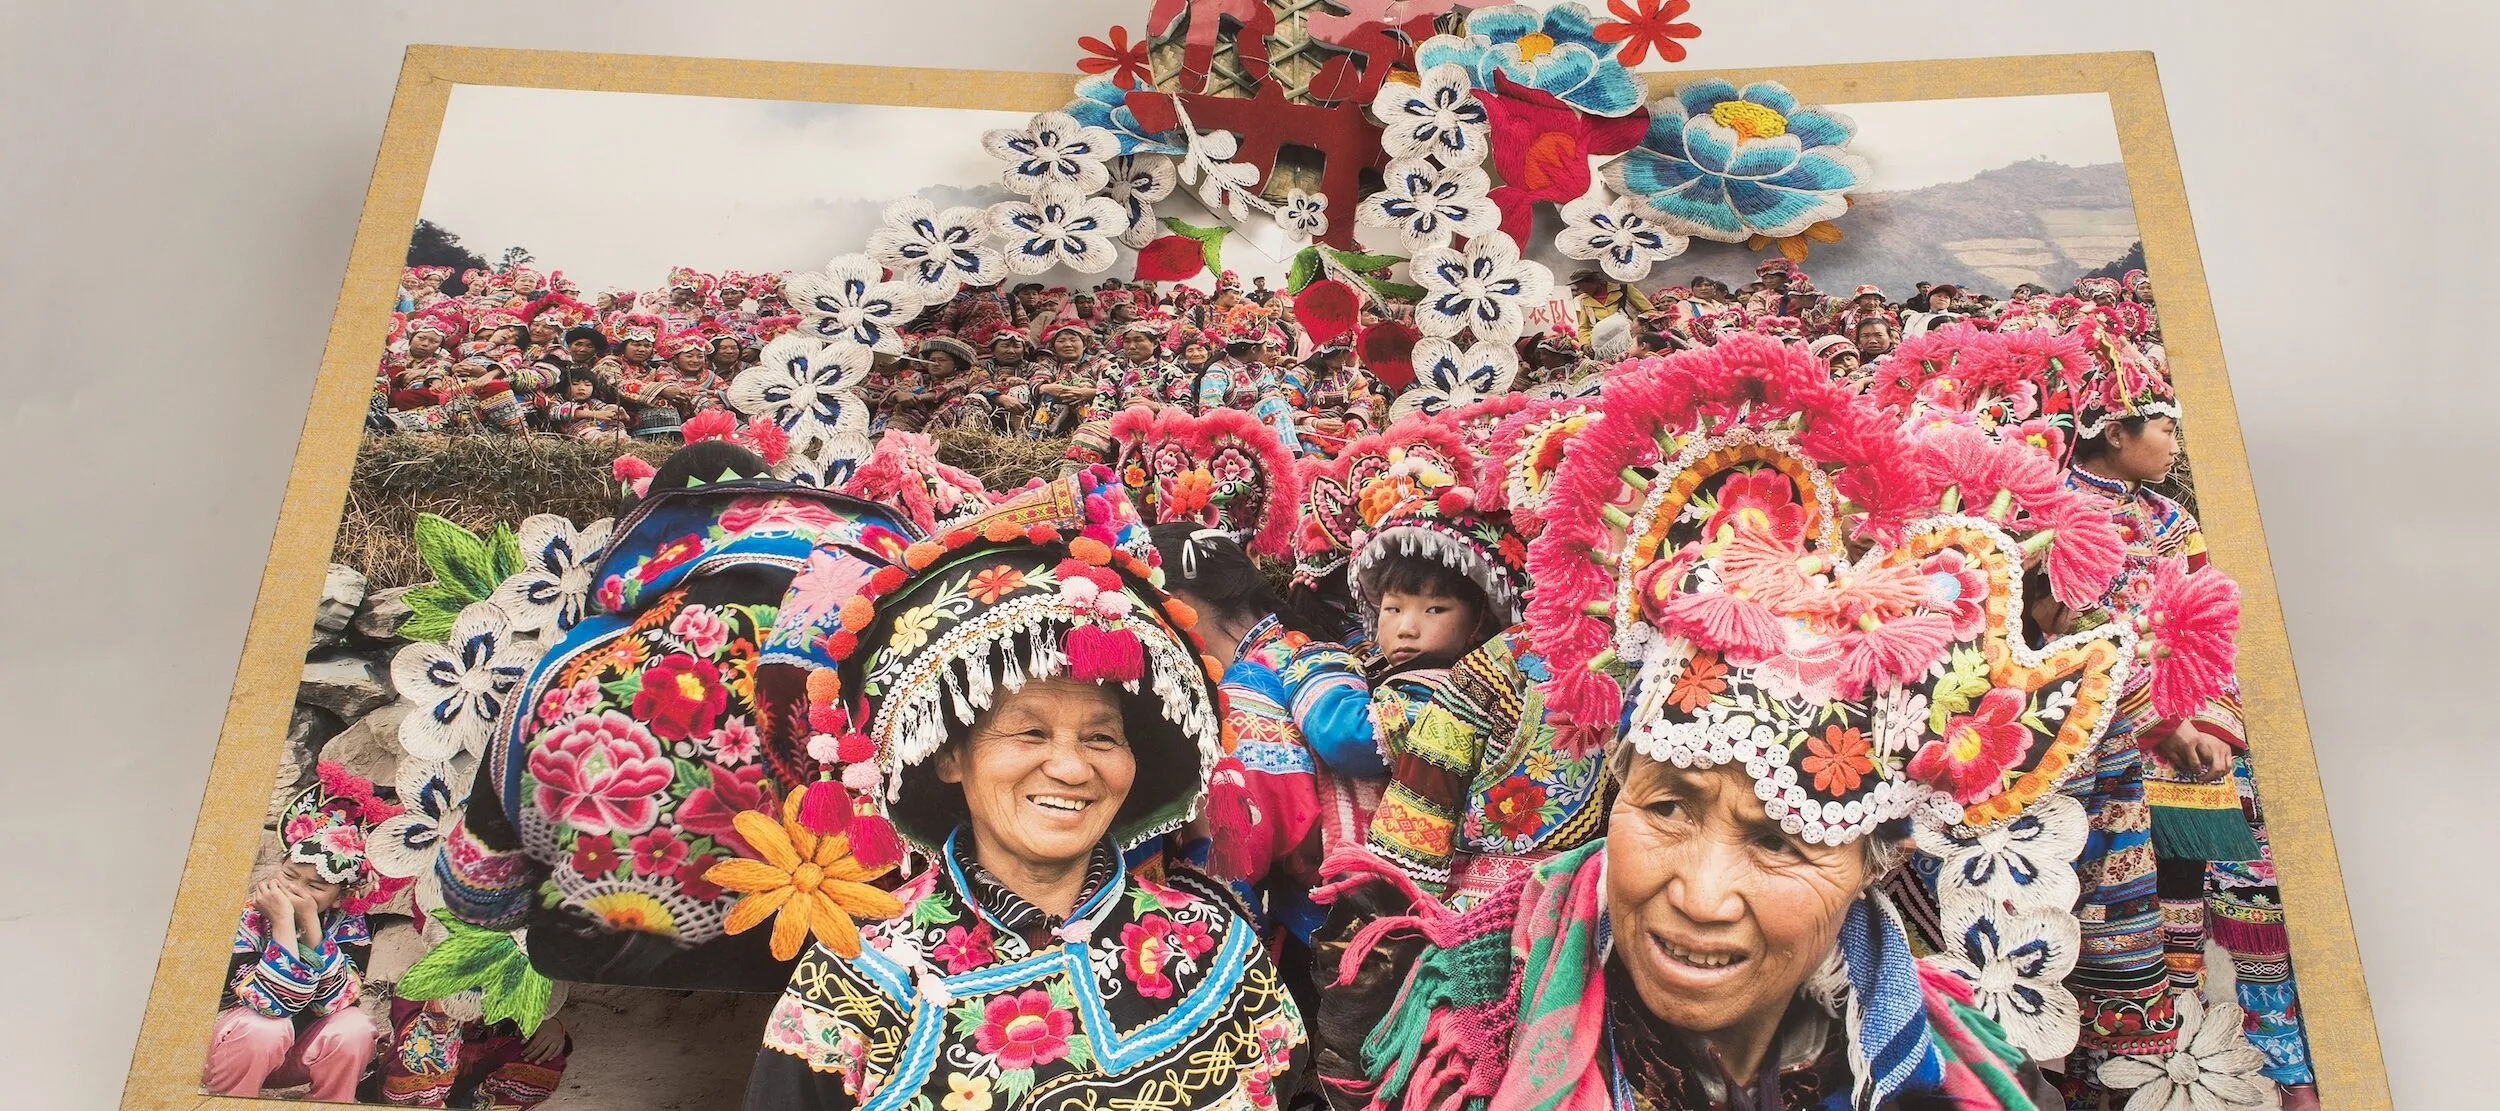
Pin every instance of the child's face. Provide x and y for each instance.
(325, 895)
(577, 390)
(1411, 625)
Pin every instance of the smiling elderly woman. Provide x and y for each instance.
(1796, 709)
(1030, 704)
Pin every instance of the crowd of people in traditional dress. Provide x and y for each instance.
(1396, 777)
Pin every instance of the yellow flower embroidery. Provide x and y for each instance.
(912, 629)
(966, 1093)
(814, 884)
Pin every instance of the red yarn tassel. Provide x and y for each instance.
(824, 808)
(1232, 822)
(1097, 654)
(874, 843)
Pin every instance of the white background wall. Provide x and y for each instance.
(179, 184)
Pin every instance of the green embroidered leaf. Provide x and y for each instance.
(456, 556)
(1081, 1053)
(1062, 995)
(1210, 240)
(1362, 263)
(1306, 269)
(521, 996)
(489, 960)
(1012, 1084)
(1142, 901)
(504, 552)
(1395, 291)
(624, 688)
(935, 911)
(968, 1018)
(432, 608)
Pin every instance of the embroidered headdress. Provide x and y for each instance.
(1414, 489)
(636, 327)
(1225, 470)
(881, 666)
(1801, 589)
(325, 826)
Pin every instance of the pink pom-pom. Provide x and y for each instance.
(629, 469)
(1454, 502)
(710, 424)
(771, 444)
(1098, 654)
(1900, 650)
(824, 808)
(823, 748)
(1113, 604)
(2195, 622)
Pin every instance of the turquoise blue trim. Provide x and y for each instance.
(1118, 1054)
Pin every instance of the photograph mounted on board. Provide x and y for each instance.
(1229, 541)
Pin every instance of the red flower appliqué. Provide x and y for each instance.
(1970, 759)
(1649, 26)
(1023, 1030)
(1124, 60)
(1517, 806)
(1763, 501)
(681, 698)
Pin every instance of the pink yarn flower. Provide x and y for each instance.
(600, 774)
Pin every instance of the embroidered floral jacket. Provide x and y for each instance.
(268, 974)
(1146, 998)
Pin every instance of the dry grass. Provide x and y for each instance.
(479, 481)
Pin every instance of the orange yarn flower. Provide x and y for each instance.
(996, 582)
(1650, 26)
(1191, 492)
(807, 884)
(1125, 61)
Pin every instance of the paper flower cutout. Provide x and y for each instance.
(1555, 51)
(1487, 289)
(1053, 150)
(464, 688)
(1650, 26)
(551, 591)
(1305, 215)
(2026, 861)
(936, 252)
(851, 302)
(1612, 232)
(811, 390)
(430, 796)
(1728, 165)
(1137, 182)
(1427, 204)
(1448, 377)
(1060, 227)
(2015, 965)
(1437, 118)
(1123, 61)
(807, 884)
(1102, 102)
(2214, 1069)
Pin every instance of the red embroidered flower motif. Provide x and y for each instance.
(612, 593)
(965, 949)
(1970, 759)
(681, 698)
(712, 810)
(1125, 61)
(659, 852)
(1650, 26)
(1837, 760)
(1959, 587)
(1762, 501)
(676, 553)
(1703, 679)
(595, 857)
(1517, 806)
(1146, 946)
(1192, 939)
(1023, 1030)
(994, 583)
(600, 774)
(690, 878)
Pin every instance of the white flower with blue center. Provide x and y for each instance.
(1613, 232)
(463, 688)
(811, 390)
(1060, 227)
(851, 302)
(2027, 861)
(1486, 289)
(1138, 182)
(1439, 117)
(1448, 376)
(1053, 151)
(1427, 204)
(430, 796)
(1726, 164)
(1305, 215)
(1555, 51)
(936, 252)
(551, 591)
(2016, 965)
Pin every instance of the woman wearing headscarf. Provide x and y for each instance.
(1022, 702)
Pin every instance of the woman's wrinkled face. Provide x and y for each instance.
(1069, 345)
(1718, 914)
(1044, 771)
(1196, 354)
